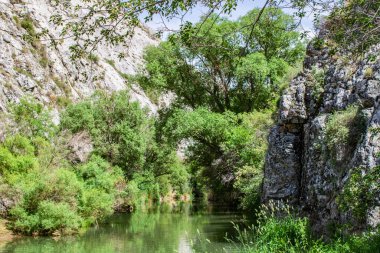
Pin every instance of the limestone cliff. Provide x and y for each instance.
(45, 72)
(300, 166)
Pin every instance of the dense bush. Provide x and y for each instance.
(47, 194)
(124, 135)
(360, 192)
(57, 199)
(344, 129)
(226, 151)
(120, 129)
(289, 233)
(31, 119)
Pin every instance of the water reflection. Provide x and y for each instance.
(161, 230)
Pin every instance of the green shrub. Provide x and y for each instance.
(56, 216)
(99, 174)
(48, 202)
(96, 204)
(32, 119)
(27, 24)
(360, 192)
(93, 58)
(368, 73)
(54, 199)
(49, 217)
(318, 83)
(238, 143)
(17, 156)
(121, 131)
(344, 129)
(279, 230)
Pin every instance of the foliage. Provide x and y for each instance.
(360, 192)
(225, 75)
(104, 19)
(124, 135)
(115, 22)
(225, 151)
(120, 130)
(32, 119)
(355, 26)
(17, 155)
(169, 172)
(47, 193)
(59, 199)
(290, 233)
(318, 76)
(344, 129)
(49, 217)
(27, 24)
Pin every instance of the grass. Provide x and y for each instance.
(63, 101)
(23, 71)
(33, 38)
(123, 75)
(344, 129)
(280, 230)
(93, 58)
(368, 73)
(62, 86)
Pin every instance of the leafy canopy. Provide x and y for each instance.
(209, 64)
(93, 22)
(120, 129)
(225, 151)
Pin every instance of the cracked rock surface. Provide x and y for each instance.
(47, 73)
(299, 168)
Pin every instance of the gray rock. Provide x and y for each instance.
(282, 171)
(80, 146)
(299, 167)
(48, 72)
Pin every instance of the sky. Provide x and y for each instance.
(242, 8)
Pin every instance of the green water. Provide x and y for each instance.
(145, 232)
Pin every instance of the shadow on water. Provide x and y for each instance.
(162, 229)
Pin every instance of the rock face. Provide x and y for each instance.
(300, 167)
(45, 72)
(80, 146)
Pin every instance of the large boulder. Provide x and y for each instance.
(80, 146)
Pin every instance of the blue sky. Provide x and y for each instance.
(242, 8)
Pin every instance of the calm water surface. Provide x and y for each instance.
(145, 232)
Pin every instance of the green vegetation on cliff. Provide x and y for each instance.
(225, 81)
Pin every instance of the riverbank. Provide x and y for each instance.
(181, 229)
(5, 234)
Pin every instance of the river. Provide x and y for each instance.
(185, 229)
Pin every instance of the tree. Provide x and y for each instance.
(120, 129)
(92, 22)
(209, 64)
(356, 25)
(225, 150)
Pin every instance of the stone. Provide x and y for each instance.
(282, 171)
(299, 167)
(80, 146)
(24, 74)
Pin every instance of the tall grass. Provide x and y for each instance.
(280, 230)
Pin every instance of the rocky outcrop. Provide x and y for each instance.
(300, 166)
(80, 146)
(35, 68)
